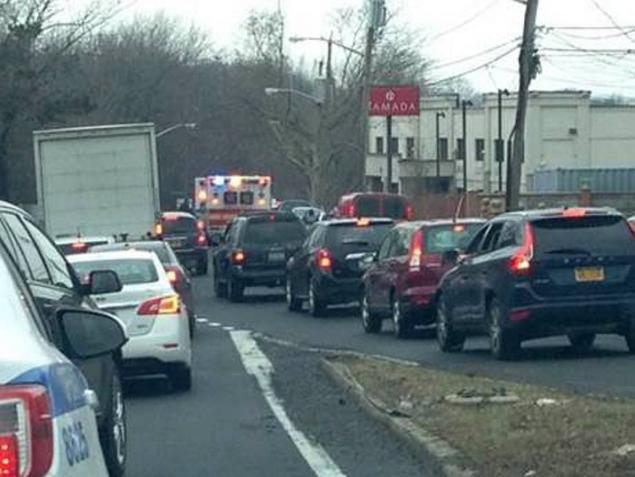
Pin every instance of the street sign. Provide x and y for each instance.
(394, 101)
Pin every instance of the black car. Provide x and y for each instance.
(289, 205)
(542, 273)
(187, 237)
(55, 287)
(327, 270)
(178, 275)
(254, 252)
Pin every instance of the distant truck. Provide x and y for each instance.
(98, 180)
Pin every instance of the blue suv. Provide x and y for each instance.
(535, 274)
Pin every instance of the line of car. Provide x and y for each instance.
(517, 277)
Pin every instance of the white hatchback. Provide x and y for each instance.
(154, 315)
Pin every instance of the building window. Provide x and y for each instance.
(479, 145)
(379, 145)
(394, 145)
(443, 148)
(410, 147)
(460, 148)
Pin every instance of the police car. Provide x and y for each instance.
(48, 423)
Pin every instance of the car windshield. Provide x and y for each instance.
(274, 232)
(178, 225)
(444, 238)
(130, 271)
(597, 235)
(354, 236)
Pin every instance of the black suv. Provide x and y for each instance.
(542, 273)
(55, 287)
(187, 237)
(328, 269)
(254, 252)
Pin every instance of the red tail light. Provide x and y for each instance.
(200, 225)
(26, 431)
(174, 275)
(162, 305)
(323, 259)
(409, 212)
(77, 247)
(520, 263)
(574, 212)
(201, 239)
(349, 210)
(238, 257)
(416, 250)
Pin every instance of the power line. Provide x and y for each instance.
(597, 37)
(618, 27)
(472, 70)
(469, 20)
(611, 19)
(476, 55)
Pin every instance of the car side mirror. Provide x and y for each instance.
(101, 282)
(452, 257)
(89, 334)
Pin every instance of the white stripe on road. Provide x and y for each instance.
(214, 325)
(259, 366)
(229, 328)
(201, 320)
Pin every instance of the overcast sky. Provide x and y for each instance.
(457, 29)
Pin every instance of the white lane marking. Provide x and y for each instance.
(259, 366)
(229, 328)
(201, 320)
(214, 325)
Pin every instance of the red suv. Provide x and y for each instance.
(402, 281)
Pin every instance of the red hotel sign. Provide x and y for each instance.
(394, 101)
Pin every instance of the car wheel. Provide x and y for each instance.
(629, 335)
(448, 339)
(292, 302)
(235, 290)
(504, 344)
(220, 289)
(317, 307)
(191, 321)
(181, 379)
(402, 328)
(370, 321)
(114, 435)
(582, 341)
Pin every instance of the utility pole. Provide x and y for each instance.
(437, 135)
(464, 105)
(527, 71)
(388, 185)
(500, 145)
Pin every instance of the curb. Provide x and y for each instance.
(439, 457)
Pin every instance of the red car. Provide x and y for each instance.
(402, 280)
(631, 222)
(375, 204)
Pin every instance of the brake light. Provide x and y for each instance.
(458, 228)
(574, 212)
(77, 246)
(200, 225)
(323, 259)
(201, 239)
(520, 263)
(158, 229)
(26, 431)
(416, 250)
(409, 212)
(162, 305)
(238, 257)
(363, 222)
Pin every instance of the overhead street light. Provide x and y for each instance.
(274, 91)
(175, 127)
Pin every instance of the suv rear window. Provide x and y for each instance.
(368, 206)
(130, 271)
(443, 238)
(394, 207)
(369, 236)
(180, 225)
(273, 231)
(599, 235)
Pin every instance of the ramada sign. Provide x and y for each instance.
(394, 101)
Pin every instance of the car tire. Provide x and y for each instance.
(191, 321)
(220, 289)
(370, 321)
(181, 379)
(504, 344)
(317, 308)
(629, 334)
(401, 326)
(293, 303)
(449, 340)
(114, 434)
(235, 290)
(581, 341)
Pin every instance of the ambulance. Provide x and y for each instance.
(220, 198)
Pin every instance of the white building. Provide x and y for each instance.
(563, 131)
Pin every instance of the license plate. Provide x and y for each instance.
(176, 243)
(276, 256)
(589, 274)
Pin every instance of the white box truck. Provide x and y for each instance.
(98, 180)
